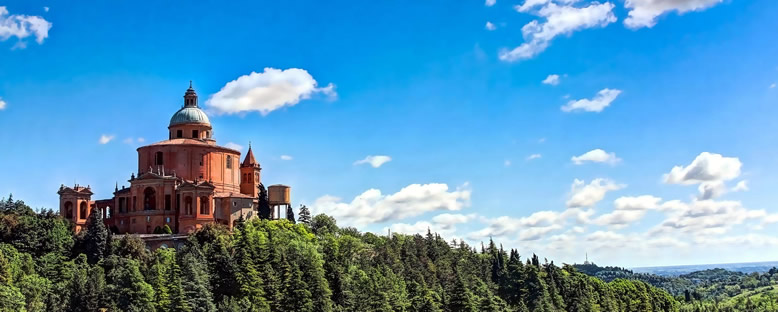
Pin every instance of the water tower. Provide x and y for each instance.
(279, 197)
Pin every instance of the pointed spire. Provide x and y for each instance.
(249, 161)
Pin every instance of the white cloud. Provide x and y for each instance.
(534, 156)
(628, 210)
(600, 101)
(710, 190)
(286, 157)
(643, 13)
(706, 217)
(530, 228)
(22, 26)
(372, 206)
(234, 146)
(267, 91)
(772, 86)
(490, 2)
(2, 104)
(706, 167)
(374, 161)
(104, 139)
(598, 156)
(46, 9)
(583, 195)
(552, 80)
(741, 186)
(542, 140)
(559, 20)
(489, 26)
(507, 163)
(133, 140)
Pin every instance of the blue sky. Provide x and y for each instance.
(428, 86)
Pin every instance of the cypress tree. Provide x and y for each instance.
(96, 238)
(290, 214)
(263, 203)
(305, 215)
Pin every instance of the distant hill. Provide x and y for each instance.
(746, 267)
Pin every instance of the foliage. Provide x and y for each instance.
(276, 265)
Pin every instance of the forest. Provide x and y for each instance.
(314, 265)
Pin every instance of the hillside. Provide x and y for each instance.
(280, 266)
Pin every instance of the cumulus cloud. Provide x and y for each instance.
(507, 163)
(772, 86)
(374, 161)
(596, 155)
(22, 26)
(706, 167)
(372, 206)
(741, 186)
(46, 8)
(266, 91)
(559, 20)
(286, 157)
(643, 13)
(628, 209)
(490, 2)
(489, 26)
(534, 156)
(234, 146)
(2, 104)
(105, 138)
(600, 101)
(529, 228)
(552, 80)
(583, 195)
(706, 217)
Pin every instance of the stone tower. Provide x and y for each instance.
(250, 176)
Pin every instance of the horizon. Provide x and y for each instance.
(555, 127)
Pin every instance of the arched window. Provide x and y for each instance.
(68, 210)
(108, 212)
(204, 206)
(82, 211)
(229, 162)
(256, 177)
(158, 159)
(188, 205)
(149, 199)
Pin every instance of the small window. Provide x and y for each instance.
(133, 220)
(195, 134)
(121, 222)
(148, 219)
(229, 162)
(159, 159)
(179, 134)
(167, 220)
(167, 202)
(207, 134)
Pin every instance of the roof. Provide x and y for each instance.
(231, 195)
(75, 189)
(249, 161)
(189, 115)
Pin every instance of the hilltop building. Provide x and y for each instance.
(183, 182)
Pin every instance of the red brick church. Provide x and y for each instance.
(184, 182)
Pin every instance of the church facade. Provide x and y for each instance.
(183, 182)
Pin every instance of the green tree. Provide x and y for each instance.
(304, 216)
(96, 238)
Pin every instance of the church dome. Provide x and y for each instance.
(189, 115)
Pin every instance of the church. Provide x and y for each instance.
(183, 182)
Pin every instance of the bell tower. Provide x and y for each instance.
(249, 175)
